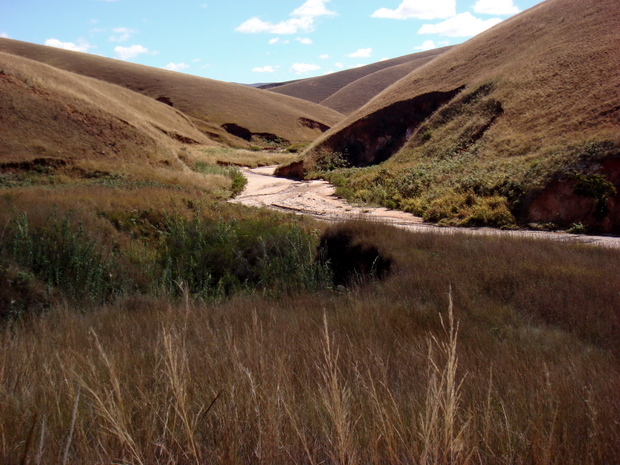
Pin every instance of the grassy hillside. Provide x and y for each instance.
(321, 89)
(53, 120)
(247, 113)
(520, 122)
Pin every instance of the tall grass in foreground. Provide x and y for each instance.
(518, 363)
(312, 379)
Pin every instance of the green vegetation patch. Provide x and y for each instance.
(157, 254)
(234, 173)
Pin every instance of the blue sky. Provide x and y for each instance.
(249, 41)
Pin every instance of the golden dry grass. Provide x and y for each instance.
(210, 103)
(473, 350)
(407, 373)
(77, 123)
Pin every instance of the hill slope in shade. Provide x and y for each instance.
(528, 111)
(321, 89)
(51, 117)
(212, 105)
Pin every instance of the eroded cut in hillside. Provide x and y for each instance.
(380, 135)
(590, 198)
(310, 123)
(254, 137)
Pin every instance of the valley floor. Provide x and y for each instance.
(317, 199)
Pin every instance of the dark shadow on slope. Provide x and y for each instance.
(376, 137)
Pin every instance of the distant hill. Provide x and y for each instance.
(220, 110)
(51, 117)
(376, 76)
(528, 111)
(359, 92)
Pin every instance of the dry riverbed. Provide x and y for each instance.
(317, 199)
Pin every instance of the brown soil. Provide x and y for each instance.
(317, 199)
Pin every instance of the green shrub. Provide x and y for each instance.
(63, 257)
(218, 259)
(467, 209)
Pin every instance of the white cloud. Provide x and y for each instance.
(265, 69)
(80, 47)
(4, 35)
(196, 60)
(324, 57)
(292, 26)
(125, 53)
(302, 20)
(427, 45)
(313, 9)
(431, 44)
(304, 40)
(302, 68)
(275, 40)
(361, 53)
(339, 65)
(176, 66)
(419, 9)
(496, 7)
(462, 25)
(121, 34)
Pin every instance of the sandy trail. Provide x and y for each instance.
(317, 199)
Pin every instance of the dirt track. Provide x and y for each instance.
(317, 199)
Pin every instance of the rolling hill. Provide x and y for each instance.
(522, 120)
(228, 113)
(54, 117)
(348, 90)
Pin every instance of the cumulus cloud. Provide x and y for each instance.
(461, 25)
(79, 47)
(313, 9)
(302, 20)
(496, 7)
(304, 40)
(126, 53)
(419, 9)
(176, 66)
(324, 57)
(4, 35)
(427, 45)
(361, 53)
(303, 68)
(339, 65)
(121, 34)
(265, 69)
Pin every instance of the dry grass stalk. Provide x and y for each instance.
(336, 397)
(444, 439)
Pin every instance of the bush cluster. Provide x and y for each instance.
(165, 255)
